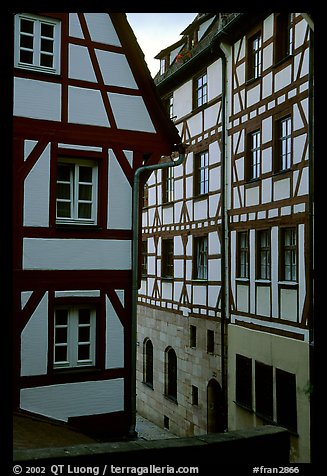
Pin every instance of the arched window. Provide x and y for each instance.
(148, 362)
(171, 374)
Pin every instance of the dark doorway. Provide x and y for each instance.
(215, 417)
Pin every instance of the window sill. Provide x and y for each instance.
(242, 280)
(77, 226)
(149, 385)
(200, 281)
(171, 399)
(167, 278)
(291, 284)
(263, 281)
(75, 370)
(202, 196)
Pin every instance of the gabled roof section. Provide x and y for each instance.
(163, 127)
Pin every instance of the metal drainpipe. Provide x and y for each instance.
(224, 241)
(135, 246)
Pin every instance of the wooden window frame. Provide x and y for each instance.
(200, 258)
(284, 36)
(144, 258)
(200, 90)
(74, 166)
(167, 185)
(263, 258)
(34, 46)
(253, 157)
(167, 258)
(289, 255)
(201, 174)
(73, 340)
(283, 143)
(254, 56)
(242, 255)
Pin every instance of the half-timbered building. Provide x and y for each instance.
(225, 307)
(86, 116)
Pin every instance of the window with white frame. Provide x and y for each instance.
(253, 153)
(74, 336)
(37, 43)
(76, 192)
(200, 264)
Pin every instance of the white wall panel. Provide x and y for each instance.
(66, 254)
(130, 112)
(75, 26)
(101, 28)
(85, 106)
(36, 192)
(79, 64)
(75, 399)
(37, 99)
(34, 341)
(114, 339)
(115, 69)
(120, 196)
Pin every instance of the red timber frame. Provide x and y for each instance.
(145, 146)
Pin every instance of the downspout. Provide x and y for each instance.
(224, 243)
(135, 287)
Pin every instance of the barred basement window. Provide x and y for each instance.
(37, 43)
(74, 336)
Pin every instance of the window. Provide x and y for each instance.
(163, 64)
(253, 155)
(243, 254)
(200, 258)
(195, 395)
(74, 336)
(167, 260)
(144, 258)
(286, 399)
(201, 173)
(148, 362)
(254, 56)
(171, 374)
(283, 144)
(284, 35)
(145, 197)
(264, 390)
(76, 193)
(192, 336)
(210, 341)
(169, 105)
(289, 254)
(263, 254)
(244, 381)
(167, 185)
(37, 43)
(200, 86)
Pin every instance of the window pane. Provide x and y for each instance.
(85, 192)
(47, 30)
(46, 45)
(63, 209)
(63, 190)
(84, 210)
(27, 26)
(84, 334)
(84, 352)
(61, 335)
(61, 353)
(61, 317)
(85, 174)
(26, 41)
(26, 57)
(46, 60)
(84, 316)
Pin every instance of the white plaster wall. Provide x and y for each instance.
(119, 196)
(263, 301)
(79, 64)
(101, 28)
(252, 196)
(115, 69)
(85, 106)
(74, 399)
(76, 254)
(37, 99)
(36, 192)
(214, 79)
(283, 78)
(130, 112)
(74, 26)
(282, 189)
(114, 338)
(34, 341)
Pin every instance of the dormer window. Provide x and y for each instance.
(163, 65)
(37, 43)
